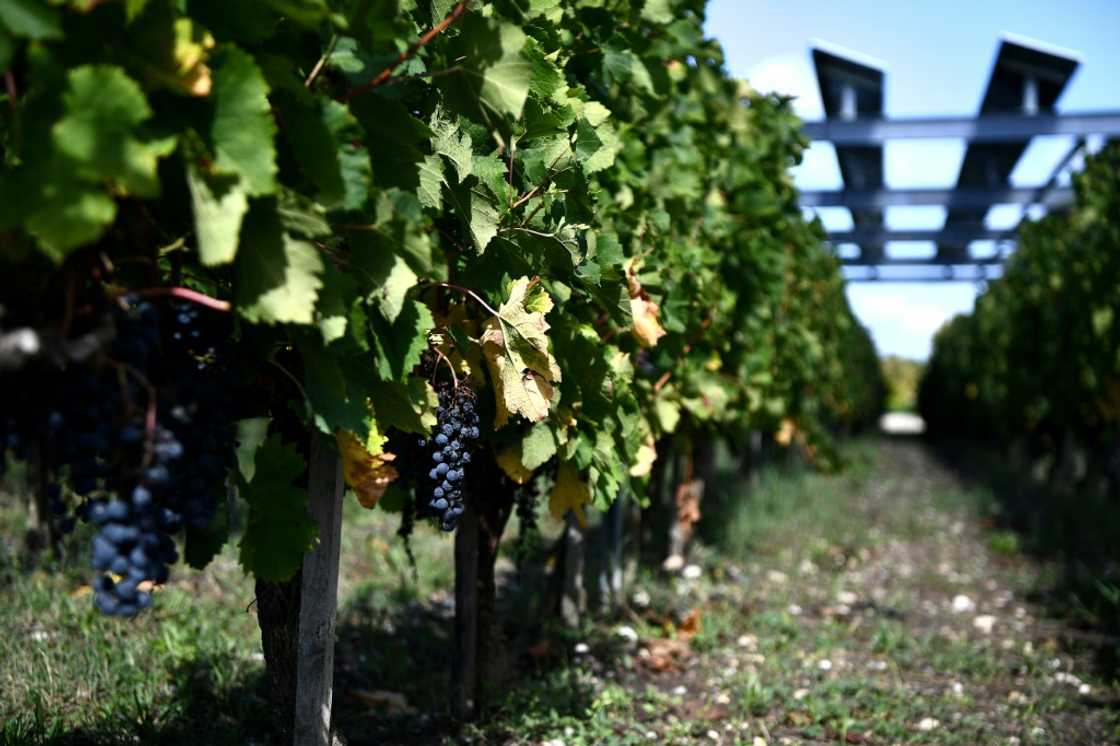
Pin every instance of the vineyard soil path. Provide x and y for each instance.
(888, 611)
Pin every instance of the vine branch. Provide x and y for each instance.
(382, 77)
(183, 294)
(321, 63)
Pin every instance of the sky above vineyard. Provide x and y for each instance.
(937, 57)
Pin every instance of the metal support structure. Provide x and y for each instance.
(973, 198)
(960, 234)
(1025, 82)
(852, 89)
(950, 273)
(986, 128)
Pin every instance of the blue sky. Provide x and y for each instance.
(937, 57)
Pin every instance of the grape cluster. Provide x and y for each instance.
(183, 458)
(456, 429)
(143, 437)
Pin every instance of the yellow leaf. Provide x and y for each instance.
(516, 348)
(644, 458)
(510, 461)
(368, 474)
(786, 432)
(645, 313)
(191, 46)
(569, 493)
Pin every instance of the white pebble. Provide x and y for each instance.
(627, 633)
(984, 623)
(928, 724)
(776, 577)
(713, 735)
(748, 641)
(1067, 678)
(962, 604)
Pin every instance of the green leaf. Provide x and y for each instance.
(336, 298)
(400, 344)
(278, 277)
(658, 11)
(77, 216)
(103, 109)
(334, 402)
(538, 446)
(625, 68)
(7, 47)
(251, 433)
(596, 147)
(546, 78)
(200, 545)
(497, 75)
(430, 190)
(243, 130)
(30, 18)
(404, 405)
(397, 139)
(220, 204)
(492, 174)
(279, 530)
(313, 145)
(479, 212)
(451, 143)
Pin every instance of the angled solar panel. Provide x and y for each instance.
(853, 89)
(1027, 77)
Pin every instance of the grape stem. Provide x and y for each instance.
(471, 293)
(450, 367)
(150, 411)
(183, 294)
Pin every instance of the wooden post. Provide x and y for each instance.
(319, 598)
(464, 663)
(573, 599)
(611, 567)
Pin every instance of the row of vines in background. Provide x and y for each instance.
(1036, 366)
(543, 242)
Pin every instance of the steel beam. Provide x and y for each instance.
(966, 197)
(984, 128)
(959, 234)
(953, 276)
(930, 261)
